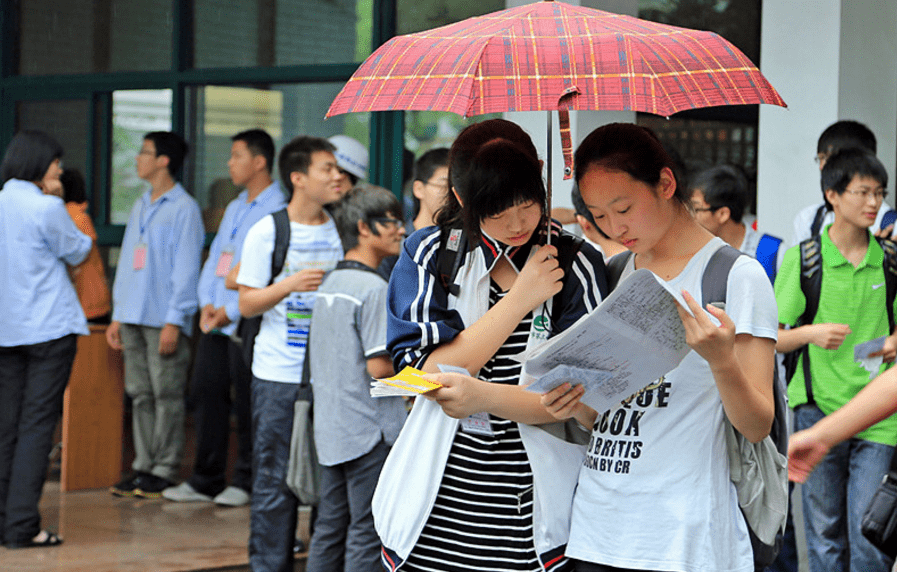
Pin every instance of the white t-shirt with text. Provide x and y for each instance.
(279, 350)
(654, 491)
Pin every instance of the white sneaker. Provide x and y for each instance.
(232, 496)
(185, 493)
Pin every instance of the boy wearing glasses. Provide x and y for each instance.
(719, 198)
(851, 310)
(353, 431)
(153, 303)
(843, 134)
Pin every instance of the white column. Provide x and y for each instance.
(581, 122)
(830, 60)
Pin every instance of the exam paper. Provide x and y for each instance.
(861, 355)
(407, 382)
(634, 337)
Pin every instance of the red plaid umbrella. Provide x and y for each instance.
(553, 56)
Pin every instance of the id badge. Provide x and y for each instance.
(140, 256)
(477, 424)
(298, 320)
(224, 262)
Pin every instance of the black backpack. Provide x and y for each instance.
(811, 285)
(453, 248)
(248, 328)
(713, 290)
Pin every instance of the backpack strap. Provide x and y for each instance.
(890, 268)
(768, 254)
(716, 274)
(810, 286)
(816, 226)
(888, 219)
(281, 242)
(248, 328)
(452, 249)
(615, 265)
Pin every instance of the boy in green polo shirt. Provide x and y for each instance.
(852, 310)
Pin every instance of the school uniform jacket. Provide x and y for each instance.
(422, 315)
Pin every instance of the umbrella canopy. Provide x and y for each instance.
(553, 56)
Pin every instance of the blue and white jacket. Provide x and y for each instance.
(422, 315)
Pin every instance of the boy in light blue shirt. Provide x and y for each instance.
(154, 299)
(219, 360)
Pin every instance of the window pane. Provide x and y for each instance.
(418, 15)
(134, 113)
(67, 121)
(285, 32)
(284, 111)
(84, 36)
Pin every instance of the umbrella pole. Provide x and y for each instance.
(548, 184)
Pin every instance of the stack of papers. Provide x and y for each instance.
(408, 382)
(632, 338)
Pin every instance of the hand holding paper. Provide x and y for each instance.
(869, 355)
(635, 336)
(408, 382)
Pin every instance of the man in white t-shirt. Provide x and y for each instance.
(813, 218)
(307, 167)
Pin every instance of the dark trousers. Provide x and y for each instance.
(273, 515)
(219, 364)
(32, 384)
(344, 536)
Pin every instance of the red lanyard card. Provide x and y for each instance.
(140, 256)
(225, 261)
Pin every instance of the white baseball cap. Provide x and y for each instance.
(351, 155)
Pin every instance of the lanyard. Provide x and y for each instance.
(144, 224)
(239, 222)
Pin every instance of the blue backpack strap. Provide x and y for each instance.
(889, 218)
(768, 254)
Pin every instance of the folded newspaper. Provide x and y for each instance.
(631, 339)
(408, 382)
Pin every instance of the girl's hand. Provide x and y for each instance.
(805, 451)
(562, 403)
(711, 342)
(563, 400)
(460, 395)
(540, 278)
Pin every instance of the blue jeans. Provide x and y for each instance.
(834, 498)
(273, 514)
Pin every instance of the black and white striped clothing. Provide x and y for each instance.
(483, 515)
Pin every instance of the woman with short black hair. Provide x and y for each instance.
(40, 319)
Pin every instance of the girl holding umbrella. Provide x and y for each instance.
(471, 483)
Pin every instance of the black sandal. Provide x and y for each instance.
(50, 540)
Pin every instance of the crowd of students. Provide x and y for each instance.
(482, 474)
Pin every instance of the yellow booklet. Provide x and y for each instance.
(409, 381)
